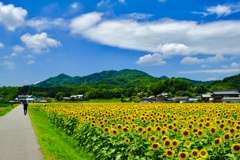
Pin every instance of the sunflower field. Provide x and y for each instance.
(151, 131)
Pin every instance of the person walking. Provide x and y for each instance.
(25, 106)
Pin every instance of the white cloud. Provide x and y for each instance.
(170, 49)
(84, 22)
(17, 49)
(137, 16)
(75, 5)
(30, 62)
(233, 65)
(221, 10)
(42, 23)
(121, 1)
(12, 17)
(9, 64)
(169, 36)
(103, 3)
(1, 45)
(151, 60)
(39, 42)
(219, 71)
(195, 60)
(192, 60)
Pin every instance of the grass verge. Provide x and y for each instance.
(5, 108)
(54, 143)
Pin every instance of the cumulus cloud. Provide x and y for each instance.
(30, 62)
(39, 42)
(75, 5)
(12, 17)
(1, 45)
(195, 60)
(121, 1)
(233, 65)
(210, 71)
(172, 37)
(103, 3)
(9, 64)
(17, 49)
(42, 23)
(221, 10)
(151, 60)
(84, 22)
(137, 16)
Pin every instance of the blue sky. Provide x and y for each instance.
(195, 39)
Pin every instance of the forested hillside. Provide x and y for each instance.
(124, 83)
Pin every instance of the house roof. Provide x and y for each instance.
(225, 92)
(206, 95)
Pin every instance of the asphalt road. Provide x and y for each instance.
(17, 137)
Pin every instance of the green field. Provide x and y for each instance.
(5, 108)
(54, 143)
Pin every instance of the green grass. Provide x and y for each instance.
(5, 108)
(54, 143)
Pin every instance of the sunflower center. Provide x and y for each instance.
(169, 153)
(195, 153)
(183, 155)
(236, 147)
(203, 153)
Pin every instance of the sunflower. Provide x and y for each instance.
(152, 139)
(149, 129)
(232, 130)
(158, 128)
(139, 129)
(185, 133)
(183, 155)
(187, 144)
(200, 133)
(213, 130)
(195, 153)
(203, 153)
(169, 153)
(92, 125)
(125, 129)
(167, 143)
(217, 142)
(237, 137)
(126, 141)
(164, 138)
(119, 126)
(163, 131)
(175, 143)
(106, 129)
(170, 127)
(227, 137)
(114, 132)
(235, 148)
(155, 146)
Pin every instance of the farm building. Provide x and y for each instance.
(231, 99)
(206, 97)
(219, 95)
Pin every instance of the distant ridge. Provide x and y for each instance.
(121, 78)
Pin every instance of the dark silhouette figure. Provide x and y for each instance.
(25, 106)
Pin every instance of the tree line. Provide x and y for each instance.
(172, 86)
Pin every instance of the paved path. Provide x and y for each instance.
(17, 137)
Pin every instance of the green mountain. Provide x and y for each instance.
(112, 77)
(129, 78)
